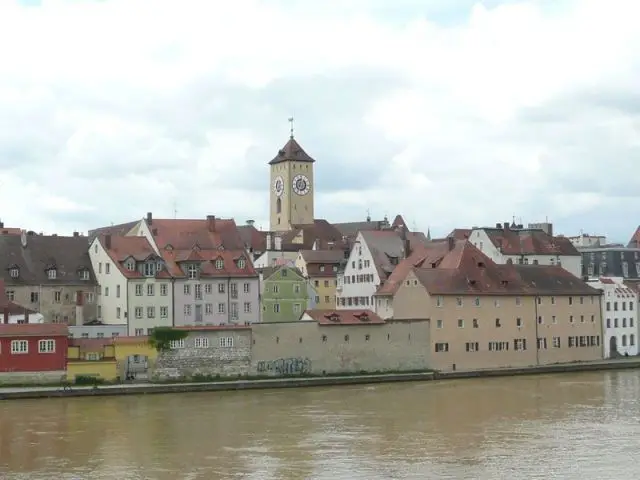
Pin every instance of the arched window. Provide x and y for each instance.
(278, 206)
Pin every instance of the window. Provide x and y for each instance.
(197, 291)
(498, 325)
(296, 288)
(632, 340)
(118, 312)
(439, 323)
(151, 312)
(542, 343)
(540, 320)
(581, 300)
(475, 323)
(459, 301)
(346, 338)
(19, 346)
(84, 274)
(247, 307)
(186, 289)
(175, 344)
(518, 301)
(439, 301)
(608, 306)
(222, 308)
(233, 312)
(149, 269)
(476, 302)
(106, 291)
(219, 264)
(242, 263)
(151, 289)
(117, 291)
(221, 288)
(47, 346)
(472, 346)
(192, 271)
(139, 332)
(556, 342)
(57, 297)
(518, 322)
(441, 347)
(164, 289)
(496, 303)
(247, 287)
(276, 289)
(520, 344)
(460, 323)
(553, 319)
(139, 290)
(52, 274)
(138, 312)
(202, 342)
(225, 342)
(35, 297)
(164, 312)
(570, 318)
(187, 310)
(11, 295)
(324, 338)
(208, 308)
(107, 268)
(276, 308)
(593, 319)
(553, 300)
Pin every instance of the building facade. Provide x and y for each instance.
(292, 187)
(485, 315)
(526, 246)
(321, 268)
(619, 316)
(611, 261)
(33, 353)
(284, 295)
(51, 275)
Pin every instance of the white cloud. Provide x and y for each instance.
(112, 108)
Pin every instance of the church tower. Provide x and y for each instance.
(292, 187)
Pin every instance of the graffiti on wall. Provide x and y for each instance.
(285, 366)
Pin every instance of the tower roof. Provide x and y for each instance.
(292, 151)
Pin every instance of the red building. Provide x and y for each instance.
(33, 348)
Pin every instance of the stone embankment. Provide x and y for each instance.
(8, 393)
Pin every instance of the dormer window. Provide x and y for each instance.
(322, 268)
(84, 274)
(334, 317)
(335, 269)
(14, 272)
(219, 264)
(130, 265)
(149, 269)
(192, 271)
(242, 263)
(363, 317)
(52, 274)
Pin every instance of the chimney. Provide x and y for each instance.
(268, 241)
(6, 315)
(211, 223)
(107, 242)
(506, 225)
(149, 218)
(79, 308)
(26, 316)
(406, 244)
(498, 225)
(1, 224)
(76, 234)
(251, 222)
(452, 242)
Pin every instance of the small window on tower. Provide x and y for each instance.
(279, 207)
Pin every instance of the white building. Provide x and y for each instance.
(373, 257)
(14, 314)
(619, 316)
(135, 288)
(526, 246)
(584, 240)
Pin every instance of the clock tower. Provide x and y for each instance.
(291, 188)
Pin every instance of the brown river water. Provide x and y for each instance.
(571, 426)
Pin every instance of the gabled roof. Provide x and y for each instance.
(209, 233)
(115, 230)
(465, 270)
(292, 151)
(123, 248)
(253, 238)
(344, 317)
(529, 242)
(320, 233)
(268, 272)
(68, 255)
(460, 233)
(387, 248)
(34, 330)
(322, 256)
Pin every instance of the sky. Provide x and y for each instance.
(454, 113)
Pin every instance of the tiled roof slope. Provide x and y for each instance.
(387, 248)
(529, 242)
(345, 317)
(292, 151)
(115, 230)
(69, 256)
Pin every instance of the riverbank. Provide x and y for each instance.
(11, 393)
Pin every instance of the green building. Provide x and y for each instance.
(284, 294)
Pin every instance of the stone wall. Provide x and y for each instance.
(33, 378)
(216, 359)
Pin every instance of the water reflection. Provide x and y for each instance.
(552, 426)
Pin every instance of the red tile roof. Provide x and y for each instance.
(90, 345)
(345, 317)
(387, 248)
(34, 330)
(635, 239)
(529, 242)
(123, 248)
(460, 233)
(253, 238)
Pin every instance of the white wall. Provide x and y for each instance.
(145, 300)
(33, 318)
(351, 288)
(108, 300)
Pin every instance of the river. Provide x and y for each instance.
(570, 426)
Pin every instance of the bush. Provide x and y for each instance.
(88, 380)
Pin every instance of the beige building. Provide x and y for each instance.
(485, 315)
(320, 268)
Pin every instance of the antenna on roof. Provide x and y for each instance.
(175, 209)
(291, 127)
(368, 215)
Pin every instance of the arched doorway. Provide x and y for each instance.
(613, 346)
(136, 368)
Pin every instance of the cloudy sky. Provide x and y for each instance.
(451, 112)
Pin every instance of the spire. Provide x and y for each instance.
(292, 151)
(429, 233)
(291, 127)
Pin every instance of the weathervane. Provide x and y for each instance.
(291, 126)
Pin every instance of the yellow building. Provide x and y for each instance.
(320, 268)
(134, 357)
(91, 358)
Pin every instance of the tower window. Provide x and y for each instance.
(279, 206)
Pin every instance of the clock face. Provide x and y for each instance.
(278, 186)
(301, 185)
